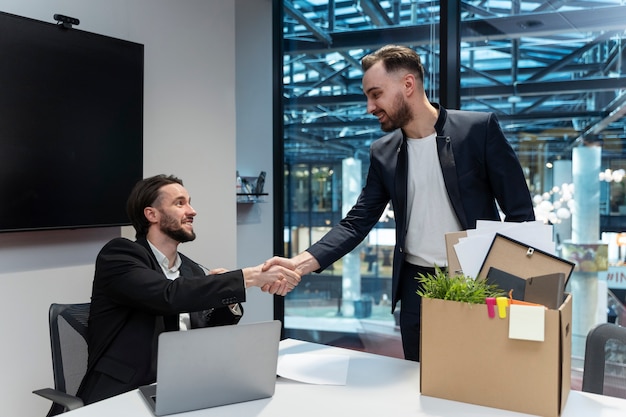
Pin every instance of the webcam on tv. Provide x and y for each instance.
(66, 21)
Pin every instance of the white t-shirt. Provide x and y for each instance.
(430, 213)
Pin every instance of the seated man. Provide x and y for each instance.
(145, 287)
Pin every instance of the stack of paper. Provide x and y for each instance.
(472, 250)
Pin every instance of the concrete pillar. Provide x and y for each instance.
(586, 165)
(562, 174)
(585, 247)
(351, 278)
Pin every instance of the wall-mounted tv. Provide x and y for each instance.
(71, 126)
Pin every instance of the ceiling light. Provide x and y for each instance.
(529, 24)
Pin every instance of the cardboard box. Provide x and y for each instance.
(467, 356)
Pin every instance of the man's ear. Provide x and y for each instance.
(409, 84)
(151, 214)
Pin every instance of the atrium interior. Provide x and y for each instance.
(553, 72)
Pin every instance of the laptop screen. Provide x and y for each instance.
(209, 367)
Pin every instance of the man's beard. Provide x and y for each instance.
(400, 118)
(171, 227)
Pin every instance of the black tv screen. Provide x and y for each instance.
(71, 126)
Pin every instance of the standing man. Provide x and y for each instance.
(145, 287)
(442, 170)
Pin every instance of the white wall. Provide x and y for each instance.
(189, 130)
(254, 141)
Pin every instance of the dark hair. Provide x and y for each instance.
(395, 58)
(144, 194)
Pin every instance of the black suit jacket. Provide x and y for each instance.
(133, 302)
(479, 168)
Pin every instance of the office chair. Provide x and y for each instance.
(604, 370)
(68, 338)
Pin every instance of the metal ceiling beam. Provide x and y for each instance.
(476, 11)
(375, 12)
(546, 88)
(616, 114)
(321, 143)
(553, 5)
(571, 57)
(484, 30)
(318, 33)
(373, 122)
(490, 74)
(326, 79)
(495, 91)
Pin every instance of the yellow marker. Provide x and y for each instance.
(502, 303)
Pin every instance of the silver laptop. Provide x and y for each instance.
(214, 366)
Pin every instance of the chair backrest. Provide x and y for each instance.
(605, 361)
(68, 337)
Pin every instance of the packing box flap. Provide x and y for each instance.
(452, 238)
(491, 369)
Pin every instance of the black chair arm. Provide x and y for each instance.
(70, 402)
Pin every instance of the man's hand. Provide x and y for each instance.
(303, 263)
(278, 260)
(277, 279)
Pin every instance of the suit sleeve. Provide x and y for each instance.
(126, 273)
(506, 176)
(210, 317)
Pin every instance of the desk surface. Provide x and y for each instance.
(376, 386)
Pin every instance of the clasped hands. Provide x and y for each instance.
(280, 275)
(287, 274)
(277, 276)
(299, 265)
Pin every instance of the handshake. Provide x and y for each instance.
(280, 275)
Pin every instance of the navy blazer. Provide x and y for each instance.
(479, 168)
(133, 302)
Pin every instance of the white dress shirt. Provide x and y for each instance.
(173, 273)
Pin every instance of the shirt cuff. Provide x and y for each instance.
(235, 309)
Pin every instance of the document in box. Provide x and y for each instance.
(472, 250)
(314, 369)
(536, 232)
(471, 253)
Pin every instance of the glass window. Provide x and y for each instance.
(553, 73)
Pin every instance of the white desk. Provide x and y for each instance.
(377, 386)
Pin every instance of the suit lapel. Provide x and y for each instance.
(400, 180)
(448, 168)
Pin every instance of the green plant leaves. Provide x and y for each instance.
(456, 288)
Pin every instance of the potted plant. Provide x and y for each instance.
(456, 288)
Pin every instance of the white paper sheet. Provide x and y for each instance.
(314, 369)
(471, 252)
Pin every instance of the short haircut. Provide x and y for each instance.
(395, 58)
